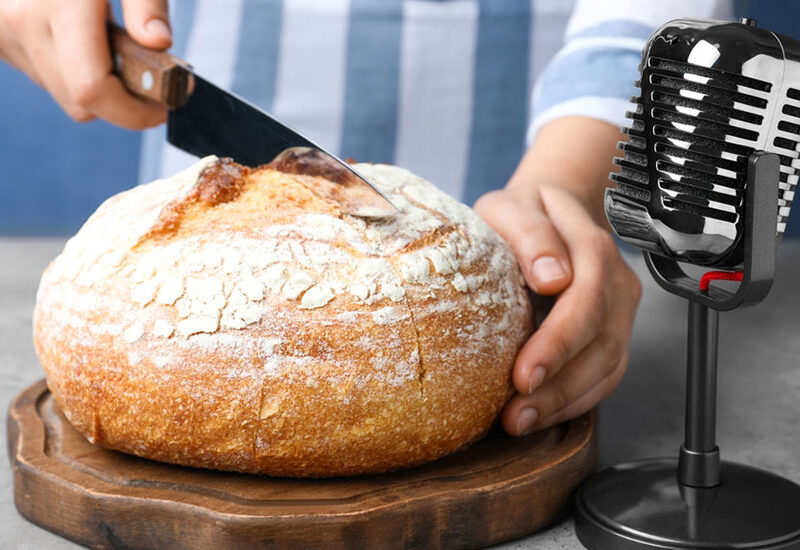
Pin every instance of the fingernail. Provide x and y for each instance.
(536, 378)
(526, 420)
(158, 28)
(547, 268)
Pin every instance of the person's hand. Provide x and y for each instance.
(62, 45)
(578, 355)
(555, 228)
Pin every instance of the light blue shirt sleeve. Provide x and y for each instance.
(593, 75)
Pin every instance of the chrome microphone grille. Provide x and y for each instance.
(708, 100)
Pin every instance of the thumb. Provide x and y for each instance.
(522, 221)
(147, 21)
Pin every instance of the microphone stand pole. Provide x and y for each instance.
(698, 463)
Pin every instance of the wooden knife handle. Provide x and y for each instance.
(152, 74)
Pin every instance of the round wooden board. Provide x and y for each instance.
(498, 489)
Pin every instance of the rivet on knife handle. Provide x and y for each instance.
(148, 73)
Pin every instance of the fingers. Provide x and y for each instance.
(81, 48)
(582, 236)
(573, 322)
(579, 353)
(10, 50)
(147, 21)
(599, 365)
(577, 316)
(595, 370)
(585, 308)
(585, 403)
(48, 75)
(538, 247)
(18, 58)
(15, 29)
(520, 421)
(63, 46)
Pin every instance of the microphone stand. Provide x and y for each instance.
(698, 462)
(697, 501)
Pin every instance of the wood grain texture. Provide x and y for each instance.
(499, 489)
(151, 74)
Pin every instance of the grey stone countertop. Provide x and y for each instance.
(759, 382)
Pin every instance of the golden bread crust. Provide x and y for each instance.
(232, 318)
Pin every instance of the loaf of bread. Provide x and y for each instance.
(237, 319)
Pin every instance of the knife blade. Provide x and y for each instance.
(204, 119)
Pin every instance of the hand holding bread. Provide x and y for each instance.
(551, 215)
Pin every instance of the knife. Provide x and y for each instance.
(206, 120)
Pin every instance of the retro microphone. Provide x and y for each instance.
(706, 185)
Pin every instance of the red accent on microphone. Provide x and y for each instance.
(719, 276)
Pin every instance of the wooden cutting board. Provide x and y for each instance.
(499, 489)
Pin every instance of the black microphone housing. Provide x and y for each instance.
(712, 94)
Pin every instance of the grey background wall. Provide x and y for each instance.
(54, 173)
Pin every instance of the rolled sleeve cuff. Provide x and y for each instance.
(607, 109)
(593, 76)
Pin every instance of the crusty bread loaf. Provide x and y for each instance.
(234, 318)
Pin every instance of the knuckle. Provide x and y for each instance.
(537, 238)
(595, 309)
(539, 226)
(600, 261)
(635, 286)
(561, 350)
(628, 282)
(611, 382)
(613, 354)
(604, 242)
(86, 91)
(78, 114)
(560, 396)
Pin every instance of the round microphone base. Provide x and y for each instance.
(641, 505)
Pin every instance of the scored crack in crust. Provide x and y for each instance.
(236, 319)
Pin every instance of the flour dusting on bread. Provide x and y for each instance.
(310, 261)
(309, 315)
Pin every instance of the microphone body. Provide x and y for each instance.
(707, 178)
(712, 94)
